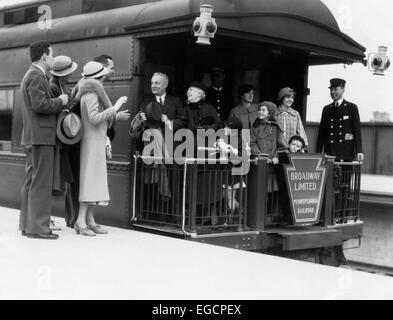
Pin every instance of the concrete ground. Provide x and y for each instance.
(378, 184)
(135, 265)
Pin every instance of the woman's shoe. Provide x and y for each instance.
(97, 229)
(83, 231)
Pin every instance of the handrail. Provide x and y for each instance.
(134, 189)
(349, 163)
(254, 160)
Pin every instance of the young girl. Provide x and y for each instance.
(266, 134)
(233, 127)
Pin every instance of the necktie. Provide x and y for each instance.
(336, 103)
(161, 103)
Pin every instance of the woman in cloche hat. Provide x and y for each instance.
(287, 117)
(96, 113)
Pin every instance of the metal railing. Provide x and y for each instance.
(199, 196)
(346, 191)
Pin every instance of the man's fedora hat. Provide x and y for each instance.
(69, 128)
(94, 70)
(153, 111)
(63, 66)
(337, 82)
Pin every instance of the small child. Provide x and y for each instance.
(233, 127)
(296, 144)
(266, 134)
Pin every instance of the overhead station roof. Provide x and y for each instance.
(303, 24)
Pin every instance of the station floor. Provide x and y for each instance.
(378, 184)
(139, 266)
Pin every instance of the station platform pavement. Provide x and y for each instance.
(377, 184)
(133, 265)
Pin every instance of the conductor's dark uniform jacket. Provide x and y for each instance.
(339, 131)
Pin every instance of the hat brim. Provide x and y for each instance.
(104, 72)
(65, 72)
(60, 133)
(153, 111)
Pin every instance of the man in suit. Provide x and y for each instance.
(39, 112)
(218, 95)
(107, 62)
(173, 113)
(340, 136)
(339, 131)
(170, 115)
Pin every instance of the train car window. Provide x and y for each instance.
(6, 104)
(20, 16)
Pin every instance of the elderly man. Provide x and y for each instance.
(173, 113)
(339, 131)
(39, 110)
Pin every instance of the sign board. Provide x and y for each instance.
(305, 178)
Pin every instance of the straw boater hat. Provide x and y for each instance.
(69, 128)
(93, 70)
(63, 66)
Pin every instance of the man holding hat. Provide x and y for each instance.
(69, 132)
(219, 96)
(159, 111)
(339, 131)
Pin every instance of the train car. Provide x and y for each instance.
(267, 44)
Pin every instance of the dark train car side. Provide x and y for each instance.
(267, 44)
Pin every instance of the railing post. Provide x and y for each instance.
(257, 195)
(357, 177)
(328, 202)
(193, 196)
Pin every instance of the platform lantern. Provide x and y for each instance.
(379, 62)
(205, 26)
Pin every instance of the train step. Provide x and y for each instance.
(300, 238)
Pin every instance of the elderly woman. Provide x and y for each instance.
(247, 111)
(266, 134)
(200, 115)
(287, 117)
(96, 113)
